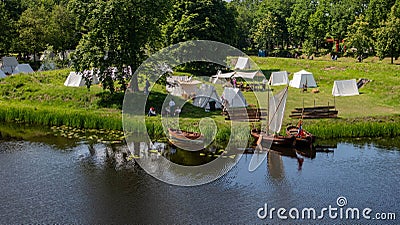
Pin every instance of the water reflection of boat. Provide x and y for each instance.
(186, 139)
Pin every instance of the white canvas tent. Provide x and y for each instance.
(8, 64)
(23, 68)
(248, 75)
(189, 87)
(76, 79)
(242, 63)
(47, 66)
(234, 97)
(205, 95)
(279, 78)
(2, 74)
(345, 88)
(302, 78)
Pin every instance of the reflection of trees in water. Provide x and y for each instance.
(33, 133)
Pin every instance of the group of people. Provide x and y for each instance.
(170, 110)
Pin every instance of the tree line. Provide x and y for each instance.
(123, 33)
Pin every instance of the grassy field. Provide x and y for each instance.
(41, 98)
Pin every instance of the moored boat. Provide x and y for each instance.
(186, 140)
(304, 139)
(275, 140)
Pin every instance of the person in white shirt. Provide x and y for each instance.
(172, 106)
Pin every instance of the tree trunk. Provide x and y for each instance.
(391, 55)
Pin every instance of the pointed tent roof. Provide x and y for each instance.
(23, 68)
(303, 78)
(279, 78)
(205, 94)
(2, 74)
(8, 64)
(234, 97)
(242, 63)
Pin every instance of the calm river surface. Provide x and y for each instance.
(43, 181)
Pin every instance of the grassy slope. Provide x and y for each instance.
(42, 98)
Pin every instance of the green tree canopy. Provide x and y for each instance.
(119, 34)
(387, 40)
(32, 29)
(267, 32)
(360, 36)
(201, 20)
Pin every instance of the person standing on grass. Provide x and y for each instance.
(146, 87)
(234, 82)
(172, 107)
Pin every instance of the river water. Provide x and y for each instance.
(53, 180)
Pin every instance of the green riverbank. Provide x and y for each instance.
(42, 99)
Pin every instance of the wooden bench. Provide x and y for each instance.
(317, 112)
(246, 114)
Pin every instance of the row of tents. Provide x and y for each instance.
(10, 66)
(306, 79)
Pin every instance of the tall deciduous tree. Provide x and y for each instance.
(318, 25)
(378, 11)
(360, 36)
(5, 27)
(245, 20)
(32, 29)
(267, 32)
(61, 29)
(119, 33)
(298, 21)
(280, 10)
(201, 20)
(388, 42)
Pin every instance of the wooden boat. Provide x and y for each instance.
(186, 140)
(276, 140)
(305, 140)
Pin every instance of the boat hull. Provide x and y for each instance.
(276, 140)
(304, 141)
(185, 140)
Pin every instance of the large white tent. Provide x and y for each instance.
(279, 78)
(301, 79)
(234, 97)
(345, 88)
(242, 63)
(23, 68)
(2, 74)
(206, 94)
(8, 64)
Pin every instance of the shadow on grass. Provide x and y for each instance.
(267, 73)
(108, 100)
